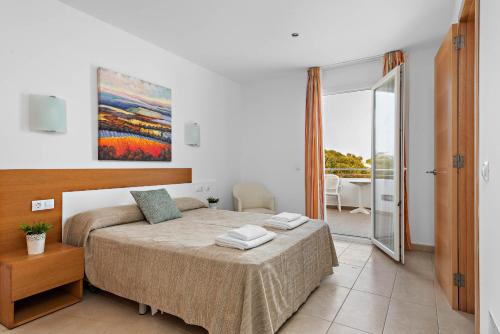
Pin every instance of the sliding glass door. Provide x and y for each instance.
(387, 146)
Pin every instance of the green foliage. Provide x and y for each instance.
(384, 161)
(36, 228)
(334, 159)
(384, 166)
(212, 200)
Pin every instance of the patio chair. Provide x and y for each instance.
(333, 187)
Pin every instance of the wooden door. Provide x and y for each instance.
(446, 177)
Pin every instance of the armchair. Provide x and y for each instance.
(253, 197)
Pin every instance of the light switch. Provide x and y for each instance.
(49, 204)
(485, 171)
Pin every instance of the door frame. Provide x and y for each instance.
(469, 27)
(467, 176)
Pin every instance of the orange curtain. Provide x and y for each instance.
(391, 60)
(315, 175)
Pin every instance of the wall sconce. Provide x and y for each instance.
(47, 113)
(192, 134)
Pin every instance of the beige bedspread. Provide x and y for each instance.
(176, 267)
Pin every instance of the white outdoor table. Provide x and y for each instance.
(360, 184)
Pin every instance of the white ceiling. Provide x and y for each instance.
(248, 39)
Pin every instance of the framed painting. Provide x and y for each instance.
(135, 118)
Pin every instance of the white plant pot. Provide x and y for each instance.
(212, 206)
(36, 243)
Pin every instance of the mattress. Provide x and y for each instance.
(176, 267)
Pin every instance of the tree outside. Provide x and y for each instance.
(346, 166)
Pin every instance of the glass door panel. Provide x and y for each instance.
(386, 157)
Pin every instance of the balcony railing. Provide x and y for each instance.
(361, 173)
(350, 173)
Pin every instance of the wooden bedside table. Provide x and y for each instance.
(32, 286)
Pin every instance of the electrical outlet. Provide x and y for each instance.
(45, 204)
(36, 205)
(207, 189)
(199, 189)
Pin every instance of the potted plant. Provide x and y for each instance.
(35, 236)
(212, 202)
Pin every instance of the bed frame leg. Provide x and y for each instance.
(143, 308)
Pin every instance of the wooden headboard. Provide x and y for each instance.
(19, 187)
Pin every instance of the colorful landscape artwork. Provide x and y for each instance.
(135, 118)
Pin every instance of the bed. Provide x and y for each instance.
(175, 266)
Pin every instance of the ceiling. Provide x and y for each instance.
(248, 39)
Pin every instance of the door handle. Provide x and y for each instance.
(434, 172)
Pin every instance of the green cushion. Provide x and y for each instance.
(156, 205)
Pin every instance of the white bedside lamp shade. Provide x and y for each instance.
(47, 113)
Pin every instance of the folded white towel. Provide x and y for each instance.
(226, 241)
(287, 226)
(247, 232)
(286, 217)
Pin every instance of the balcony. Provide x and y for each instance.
(353, 183)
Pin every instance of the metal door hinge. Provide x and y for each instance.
(459, 42)
(458, 161)
(459, 280)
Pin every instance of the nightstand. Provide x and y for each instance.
(32, 286)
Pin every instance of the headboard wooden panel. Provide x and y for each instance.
(19, 187)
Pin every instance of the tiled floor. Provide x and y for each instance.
(368, 293)
(347, 223)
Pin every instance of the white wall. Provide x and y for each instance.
(49, 48)
(271, 132)
(351, 76)
(264, 141)
(421, 142)
(489, 137)
(272, 139)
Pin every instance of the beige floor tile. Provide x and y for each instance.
(346, 223)
(325, 302)
(414, 289)
(404, 317)
(377, 281)
(357, 257)
(341, 243)
(380, 260)
(61, 324)
(103, 306)
(157, 324)
(339, 250)
(367, 247)
(302, 324)
(106, 314)
(344, 275)
(419, 264)
(364, 311)
(340, 329)
(2, 329)
(450, 321)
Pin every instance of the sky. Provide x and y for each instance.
(347, 123)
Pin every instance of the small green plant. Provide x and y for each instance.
(212, 200)
(35, 228)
